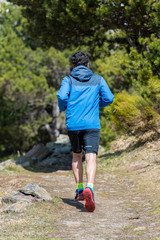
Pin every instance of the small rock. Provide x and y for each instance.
(140, 229)
(72, 224)
(62, 171)
(16, 196)
(7, 163)
(137, 167)
(134, 216)
(36, 191)
(62, 139)
(17, 207)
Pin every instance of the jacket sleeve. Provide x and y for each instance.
(106, 96)
(63, 94)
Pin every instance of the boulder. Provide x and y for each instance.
(24, 161)
(16, 196)
(35, 155)
(49, 155)
(36, 191)
(19, 200)
(38, 152)
(50, 161)
(62, 149)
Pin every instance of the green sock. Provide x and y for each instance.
(90, 185)
(80, 186)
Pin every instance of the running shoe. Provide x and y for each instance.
(89, 197)
(79, 195)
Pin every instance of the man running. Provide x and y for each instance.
(81, 94)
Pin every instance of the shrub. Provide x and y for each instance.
(132, 114)
(108, 133)
(154, 92)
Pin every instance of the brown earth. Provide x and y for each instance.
(127, 202)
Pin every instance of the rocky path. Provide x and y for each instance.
(124, 209)
(121, 212)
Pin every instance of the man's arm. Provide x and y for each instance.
(63, 94)
(106, 96)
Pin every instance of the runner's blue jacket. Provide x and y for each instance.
(81, 94)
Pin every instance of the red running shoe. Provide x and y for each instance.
(89, 197)
(79, 195)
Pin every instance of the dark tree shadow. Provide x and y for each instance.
(108, 155)
(49, 169)
(75, 204)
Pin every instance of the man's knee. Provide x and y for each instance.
(77, 157)
(90, 156)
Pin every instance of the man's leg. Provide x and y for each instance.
(91, 144)
(91, 167)
(91, 174)
(77, 167)
(76, 140)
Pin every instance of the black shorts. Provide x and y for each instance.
(87, 139)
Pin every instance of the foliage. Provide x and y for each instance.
(132, 114)
(108, 133)
(116, 70)
(11, 18)
(124, 70)
(152, 52)
(28, 79)
(24, 94)
(154, 89)
(61, 23)
(138, 74)
(122, 37)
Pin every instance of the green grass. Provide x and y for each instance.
(57, 200)
(37, 223)
(140, 232)
(13, 169)
(127, 227)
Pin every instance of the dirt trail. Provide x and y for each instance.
(124, 210)
(121, 213)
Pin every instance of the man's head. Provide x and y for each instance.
(80, 58)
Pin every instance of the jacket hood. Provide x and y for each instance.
(81, 73)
